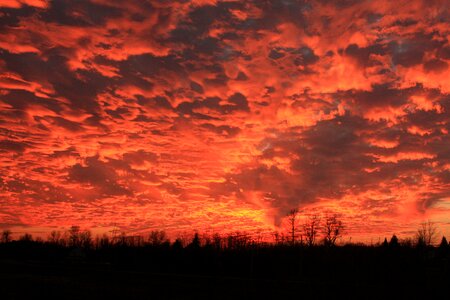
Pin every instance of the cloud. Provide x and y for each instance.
(13, 146)
(223, 115)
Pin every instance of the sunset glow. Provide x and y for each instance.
(221, 116)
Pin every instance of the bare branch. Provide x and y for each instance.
(332, 229)
(310, 229)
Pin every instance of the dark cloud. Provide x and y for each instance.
(99, 174)
(238, 102)
(69, 152)
(274, 54)
(82, 13)
(363, 55)
(444, 52)
(80, 87)
(196, 87)
(10, 17)
(149, 65)
(410, 52)
(225, 130)
(155, 102)
(21, 99)
(13, 146)
(139, 157)
(435, 65)
(384, 95)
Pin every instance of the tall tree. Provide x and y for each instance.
(393, 243)
(292, 219)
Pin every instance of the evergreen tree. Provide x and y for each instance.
(393, 242)
(195, 244)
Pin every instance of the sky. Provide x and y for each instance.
(222, 116)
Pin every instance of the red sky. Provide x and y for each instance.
(223, 115)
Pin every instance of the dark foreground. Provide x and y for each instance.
(34, 280)
(353, 272)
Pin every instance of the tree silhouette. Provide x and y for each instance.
(74, 236)
(310, 229)
(426, 234)
(332, 229)
(178, 244)
(85, 239)
(102, 242)
(292, 219)
(54, 237)
(26, 238)
(195, 243)
(217, 241)
(393, 243)
(6, 236)
(444, 243)
(157, 237)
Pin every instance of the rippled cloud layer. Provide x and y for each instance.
(224, 115)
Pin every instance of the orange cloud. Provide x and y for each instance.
(223, 115)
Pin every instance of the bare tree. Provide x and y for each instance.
(54, 237)
(281, 238)
(121, 239)
(237, 240)
(85, 239)
(6, 236)
(310, 229)
(292, 219)
(426, 234)
(102, 242)
(157, 237)
(332, 229)
(276, 237)
(74, 236)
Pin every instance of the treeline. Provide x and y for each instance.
(80, 244)
(308, 257)
(414, 267)
(83, 239)
(314, 231)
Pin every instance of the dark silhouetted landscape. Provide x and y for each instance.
(77, 266)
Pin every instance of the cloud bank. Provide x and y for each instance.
(223, 115)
